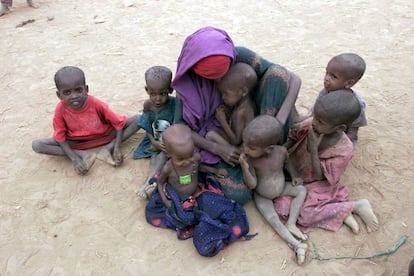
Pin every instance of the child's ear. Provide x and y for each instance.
(58, 94)
(170, 90)
(146, 88)
(269, 149)
(87, 89)
(342, 127)
(349, 83)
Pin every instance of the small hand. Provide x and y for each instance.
(157, 145)
(118, 158)
(243, 161)
(222, 173)
(221, 113)
(80, 166)
(297, 181)
(313, 140)
(272, 111)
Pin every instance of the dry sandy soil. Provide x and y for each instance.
(54, 222)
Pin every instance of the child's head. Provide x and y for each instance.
(343, 71)
(237, 83)
(158, 84)
(335, 111)
(261, 135)
(71, 86)
(179, 144)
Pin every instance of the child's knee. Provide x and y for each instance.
(302, 190)
(36, 145)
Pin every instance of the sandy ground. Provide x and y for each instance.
(54, 222)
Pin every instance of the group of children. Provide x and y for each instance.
(296, 182)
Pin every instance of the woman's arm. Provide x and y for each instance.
(289, 102)
(228, 153)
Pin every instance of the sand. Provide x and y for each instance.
(54, 222)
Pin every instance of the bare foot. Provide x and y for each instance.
(3, 9)
(294, 230)
(141, 192)
(364, 210)
(87, 157)
(300, 251)
(351, 222)
(31, 4)
(146, 190)
(106, 156)
(150, 188)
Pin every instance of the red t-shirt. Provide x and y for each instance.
(94, 120)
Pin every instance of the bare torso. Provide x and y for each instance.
(269, 173)
(184, 179)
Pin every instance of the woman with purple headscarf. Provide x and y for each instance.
(205, 57)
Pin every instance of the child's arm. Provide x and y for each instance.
(242, 118)
(160, 183)
(78, 164)
(208, 169)
(118, 158)
(289, 143)
(352, 133)
(290, 99)
(296, 180)
(249, 174)
(222, 118)
(156, 145)
(313, 144)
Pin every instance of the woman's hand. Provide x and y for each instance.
(228, 153)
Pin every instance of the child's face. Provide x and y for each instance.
(321, 123)
(72, 91)
(336, 77)
(231, 93)
(253, 151)
(158, 93)
(183, 155)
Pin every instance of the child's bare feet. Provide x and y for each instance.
(150, 188)
(364, 210)
(141, 192)
(300, 251)
(31, 4)
(3, 9)
(88, 158)
(146, 190)
(294, 230)
(351, 222)
(106, 156)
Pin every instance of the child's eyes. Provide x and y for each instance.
(163, 94)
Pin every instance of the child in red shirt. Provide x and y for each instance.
(83, 122)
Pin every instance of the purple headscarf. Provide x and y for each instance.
(200, 96)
